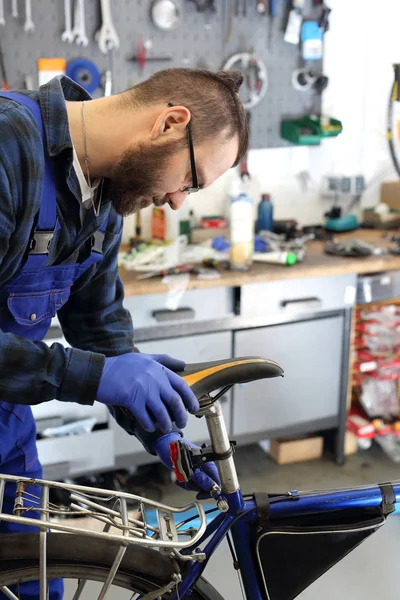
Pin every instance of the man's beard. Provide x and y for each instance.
(139, 175)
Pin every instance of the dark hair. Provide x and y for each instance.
(211, 97)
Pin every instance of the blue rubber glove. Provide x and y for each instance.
(146, 385)
(202, 479)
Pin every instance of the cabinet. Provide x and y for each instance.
(310, 353)
(195, 348)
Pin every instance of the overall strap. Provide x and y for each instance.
(47, 219)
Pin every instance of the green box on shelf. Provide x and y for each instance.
(309, 130)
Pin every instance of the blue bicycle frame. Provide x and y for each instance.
(242, 520)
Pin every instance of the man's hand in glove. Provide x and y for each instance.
(202, 479)
(147, 386)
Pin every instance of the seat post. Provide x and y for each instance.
(220, 445)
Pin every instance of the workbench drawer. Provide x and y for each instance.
(377, 287)
(298, 296)
(74, 455)
(195, 305)
(310, 353)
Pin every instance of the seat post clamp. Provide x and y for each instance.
(185, 460)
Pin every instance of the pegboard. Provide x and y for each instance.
(199, 40)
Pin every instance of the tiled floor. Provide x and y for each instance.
(370, 572)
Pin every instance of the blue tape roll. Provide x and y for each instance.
(84, 72)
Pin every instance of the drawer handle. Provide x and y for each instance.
(179, 314)
(303, 303)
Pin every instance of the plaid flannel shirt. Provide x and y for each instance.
(93, 320)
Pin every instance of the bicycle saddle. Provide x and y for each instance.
(208, 377)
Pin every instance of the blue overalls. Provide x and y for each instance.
(33, 297)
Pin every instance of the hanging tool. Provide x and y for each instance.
(164, 272)
(14, 9)
(2, 19)
(324, 19)
(107, 37)
(243, 167)
(255, 74)
(4, 83)
(230, 11)
(142, 56)
(108, 75)
(273, 13)
(67, 35)
(79, 30)
(29, 24)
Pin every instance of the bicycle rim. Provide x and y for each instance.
(75, 558)
(72, 574)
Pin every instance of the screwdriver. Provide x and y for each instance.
(171, 271)
(273, 13)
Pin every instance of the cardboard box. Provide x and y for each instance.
(379, 221)
(390, 194)
(201, 235)
(289, 451)
(350, 443)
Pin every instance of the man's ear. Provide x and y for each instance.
(171, 122)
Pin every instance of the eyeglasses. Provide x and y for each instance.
(195, 184)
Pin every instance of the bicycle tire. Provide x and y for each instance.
(78, 556)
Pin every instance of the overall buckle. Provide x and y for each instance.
(40, 242)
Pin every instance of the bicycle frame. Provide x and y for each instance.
(241, 517)
(244, 523)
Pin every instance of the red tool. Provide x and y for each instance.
(172, 271)
(142, 55)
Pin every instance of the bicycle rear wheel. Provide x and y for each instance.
(78, 557)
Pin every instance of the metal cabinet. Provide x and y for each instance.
(195, 348)
(307, 397)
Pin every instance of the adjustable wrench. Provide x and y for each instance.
(107, 37)
(29, 24)
(67, 35)
(2, 19)
(14, 9)
(79, 30)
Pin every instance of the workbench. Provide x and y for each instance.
(316, 264)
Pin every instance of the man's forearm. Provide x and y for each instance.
(32, 372)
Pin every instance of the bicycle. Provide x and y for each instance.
(280, 542)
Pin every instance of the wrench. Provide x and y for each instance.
(79, 30)
(2, 19)
(29, 24)
(107, 37)
(14, 9)
(67, 35)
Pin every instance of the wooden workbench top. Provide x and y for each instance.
(315, 264)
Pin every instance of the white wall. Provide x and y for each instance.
(360, 48)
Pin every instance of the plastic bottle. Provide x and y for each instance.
(241, 232)
(276, 258)
(265, 212)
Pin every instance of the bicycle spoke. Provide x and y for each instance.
(8, 593)
(79, 589)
